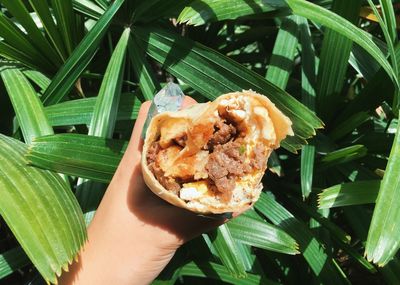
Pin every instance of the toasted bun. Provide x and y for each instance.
(260, 121)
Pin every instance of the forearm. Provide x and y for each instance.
(124, 246)
(121, 248)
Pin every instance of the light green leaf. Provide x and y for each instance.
(213, 74)
(347, 194)
(389, 18)
(106, 107)
(205, 11)
(342, 26)
(66, 77)
(78, 155)
(89, 193)
(227, 249)
(26, 103)
(260, 234)
(40, 210)
(282, 58)
(38, 78)
(383, 242)
(80, 111)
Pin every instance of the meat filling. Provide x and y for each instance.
(224, 164)
(168, 182)
(226, 160)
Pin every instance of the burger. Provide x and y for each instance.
(210, 158)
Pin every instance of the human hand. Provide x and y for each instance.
(134, 233)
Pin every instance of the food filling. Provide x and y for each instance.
(210, 156)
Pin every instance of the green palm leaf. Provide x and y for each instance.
(12, 260)
(314, 253)
(29, 109)
(80, 111)
(201, 12)
(344, 27)
(66, 77)
(260, 234)
(216, 271)
(383, 242)
(41, 211)
(213, 74)
(347, 194)
(78, 155)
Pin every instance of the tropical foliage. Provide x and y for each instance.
(74, 74)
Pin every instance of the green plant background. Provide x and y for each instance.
(73, 77)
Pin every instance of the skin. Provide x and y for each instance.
(134, 233)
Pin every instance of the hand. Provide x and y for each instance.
(134, 233)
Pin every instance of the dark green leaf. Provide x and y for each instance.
(66, 77)
(16, 46)
(20, 12)
(344, 27)
(335, 54)
(213, 74)
(147, 82)
(42, 9)
(216, 271)
(12, 260)
(321, 264)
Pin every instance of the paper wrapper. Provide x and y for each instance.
(260, 122)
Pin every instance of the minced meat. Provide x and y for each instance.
(259, 158)
(169, 183)
(223, 133)
(224, 164)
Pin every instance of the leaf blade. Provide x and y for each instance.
(29, 109)
(65, 78)
(382, 242)
(47, 211)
